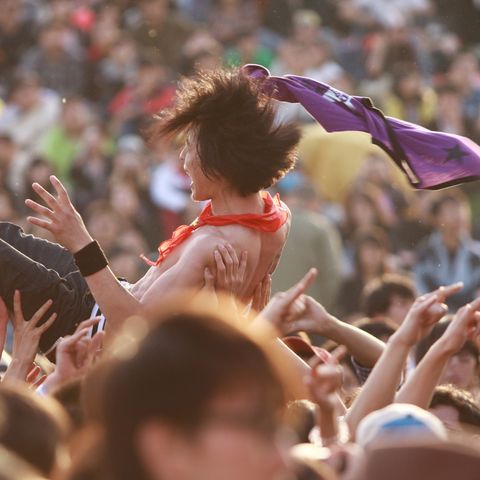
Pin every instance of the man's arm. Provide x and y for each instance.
(381, 386)
(115, 302)
(188, 274)
(418, 390)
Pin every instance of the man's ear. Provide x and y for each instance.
(162, 450)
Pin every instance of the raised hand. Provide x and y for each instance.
(75, 354)
(420, 385)
(315, 319)
(325, 381)
(287, 307)
(425, 312)
(464, 326)
(64, 222)
(230, 273)
(26, 337)
(261, 297)
(3, 325)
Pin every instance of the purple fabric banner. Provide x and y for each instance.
(431, 160)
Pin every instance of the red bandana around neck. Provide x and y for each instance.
(271, 220)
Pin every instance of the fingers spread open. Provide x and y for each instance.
(40, 313)
(49, 199)
(63, 197)
(47, 324)
(17, 306)
(209, 279)
(39, 222)
(39, 208)
(242, 267)
(233, 255)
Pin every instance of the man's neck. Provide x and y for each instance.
(231, 204)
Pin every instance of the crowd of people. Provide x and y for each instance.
(365, 368)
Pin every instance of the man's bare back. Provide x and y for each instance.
(234, 150)
(184, 267)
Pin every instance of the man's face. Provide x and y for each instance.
(231, 444)
(398, 308)
(460, 370)
(202, 187)
(450, 216)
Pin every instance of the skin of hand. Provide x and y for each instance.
(286, 307)
(325, 380)
(364, 347)
(425, 312)
(261, 297)
(419, 388)
(75, 354)
(26, 338)
(464, 326)
(230, 274)
(380, 388)
(324, 383)
(64, 222)
(3, 324)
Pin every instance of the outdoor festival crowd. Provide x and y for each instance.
(377, 372)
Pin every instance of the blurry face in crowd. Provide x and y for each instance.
(202, 187)
(371, 257)
(233, 443)
(75, 116)
(362, 212)
(450, 216)
(410, 86)
(26, 96)
(460, 370)
(449, 416)
(52, 39)
(398, 308)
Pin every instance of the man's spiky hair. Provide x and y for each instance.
(236, 131)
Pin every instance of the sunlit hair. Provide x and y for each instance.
(237, 136)
(183, 365)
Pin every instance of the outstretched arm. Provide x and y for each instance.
(66, 224)
(26, 337)
(365, 348)
(419, 388)
(115, 302)
(380, 388)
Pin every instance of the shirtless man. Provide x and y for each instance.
(233, 151)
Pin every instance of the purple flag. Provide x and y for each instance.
(430, 160)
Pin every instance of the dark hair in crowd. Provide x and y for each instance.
(380, 328)
(236, 134)
(31, 427)
(437, 331)
(453, 195)
(378, 294)
(185, 363)
(461, 400)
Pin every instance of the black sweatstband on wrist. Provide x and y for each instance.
(90, 259)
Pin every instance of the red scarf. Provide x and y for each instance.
(274, 217)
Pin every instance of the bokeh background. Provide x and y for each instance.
(81, 80)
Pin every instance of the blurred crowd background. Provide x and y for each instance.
(81, 81)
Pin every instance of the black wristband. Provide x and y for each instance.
(90, 259)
